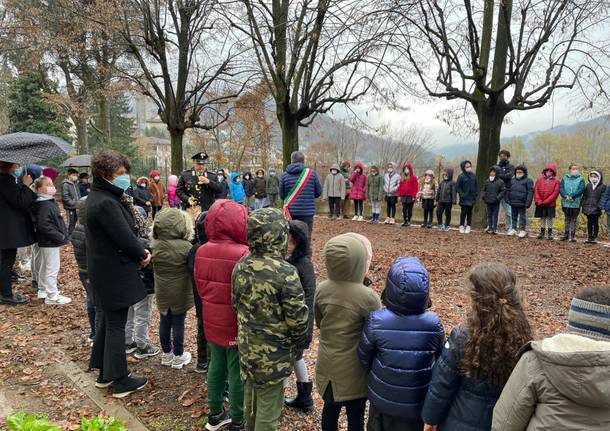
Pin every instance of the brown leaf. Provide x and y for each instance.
(188, 402)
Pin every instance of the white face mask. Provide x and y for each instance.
(390, 170)
(519, 176)
(492, 178)
(334, 171)
(594, 180)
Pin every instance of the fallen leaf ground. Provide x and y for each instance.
(35, 338)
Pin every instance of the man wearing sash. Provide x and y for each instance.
(299, 189)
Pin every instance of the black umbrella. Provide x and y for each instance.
(82, 161)
(27, 148)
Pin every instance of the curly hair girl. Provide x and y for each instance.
(497, 324)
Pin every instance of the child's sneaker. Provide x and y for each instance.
(237, 427)
(57, 300)
(130, 348)
(167, 359)
(467, 229)
(511, 232)
(215, 422)
(181, 361)
(360, 218)
(147, 351)
(522, 234)
(355, 218)
(387, 221)
(201, 368)
(462, 230)
(42, 294)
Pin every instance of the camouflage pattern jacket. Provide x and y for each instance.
(268, 299)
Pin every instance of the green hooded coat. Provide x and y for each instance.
(268, 299)
(172, 231)
(341, 306)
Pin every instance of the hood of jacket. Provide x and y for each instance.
(367, 246)
(226, 221)
(463, 165)
(599, 174)
(429, 172)
(172, 180)
(550, 167)
(201, 237)
(295, 168)
(407, 286)
(359, 165)
(449, 172)
(335, 166)
(300, 233)
(521, 168)
(172, 223)
(234, 176)
(81, 211)
(410, 166)
(260, 170)
(393, 165)
(154, 173)
(578, 367)
(345, 258)
(268, 232)
(497, 170)
(142, 179)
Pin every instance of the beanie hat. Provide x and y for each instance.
(589, 319)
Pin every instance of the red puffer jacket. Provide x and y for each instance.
(408, 186)
(358, 181)
(225, 226)
(546, 190)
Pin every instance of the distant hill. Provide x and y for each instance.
(603, 122)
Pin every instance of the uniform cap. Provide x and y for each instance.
(200, 158)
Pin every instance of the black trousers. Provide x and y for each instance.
(493, 211)
(308, 221)
(444, 209)
(519, 216)
(330, 414)
(407, 211)
(358, 207)
(108, 353)
(202, 344)
(593, 226)
(155, 210)
(428, 207)
(71, 220)
(94, 318)
(391, 204)
(7, 261)
(466, 215)
(334, 206)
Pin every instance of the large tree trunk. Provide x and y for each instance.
(177, 137)
(290, 135)
(82, 138)
(490, 128)
(105, 125)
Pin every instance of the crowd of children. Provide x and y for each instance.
(507, 187)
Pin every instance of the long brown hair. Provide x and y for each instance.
(497, 324)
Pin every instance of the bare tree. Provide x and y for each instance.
(406, 144)
(185, 60)
(313, 54)
(514, 61)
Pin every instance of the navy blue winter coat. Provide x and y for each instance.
(400, 343)
(454, 402)
(521, 192)
(305, 204)
(467, 186)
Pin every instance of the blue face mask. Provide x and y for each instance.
(123, 182)
(18, 172)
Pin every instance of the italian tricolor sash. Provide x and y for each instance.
(296, 190)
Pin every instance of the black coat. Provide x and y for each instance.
(16, 227)
(301, 260)
(467, 187)
(114, 251)
(454, 402)
(447, 190)
(141, 195)
(188, 186)
(592, 198)
(79, 236)
(521, 192)
(507, 172)
(248, 186)
(493, 191)
(51, 229)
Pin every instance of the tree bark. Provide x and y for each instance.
(82, 138)
(105, 125)
(290, 135)
(177, 137)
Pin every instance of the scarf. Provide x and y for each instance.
(141, 227)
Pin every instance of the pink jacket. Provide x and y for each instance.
(172, 198)
(358, 181)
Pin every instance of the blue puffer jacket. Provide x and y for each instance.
(467, 187)
(521, 191)
(236, 190)
(604, 203)
(400, 343)
(574, 187)
(457, 403)
(305, 205)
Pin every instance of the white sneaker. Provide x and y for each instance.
(58, 300)
(181, 361)
(355, 218)
(512, 232)
(522, 234)
(467, 230)
(461, 229)
(392, 220)
(42, 294)
(387, 221)
(167, 359)
(361, 218)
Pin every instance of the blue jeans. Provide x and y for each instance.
(493, 210)
(519, 215)
(508, 215)
(171, 333)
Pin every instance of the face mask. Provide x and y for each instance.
(445, 177)
(334, 171)
(574, 172)
(247, 177)
(390, 170)
(122, 181)
(272, 174)
(594, 180)
(221, 177)
(548, 174)
(518, 176)
(468, 168)
(238, 180)
(492, 178)
(358, 171)
(18, 172)
(73, 178)
(427, 179)
(142, 185)
(51, 191)
(260, 175)
(374, 173)
(157, 178)
(407, 171)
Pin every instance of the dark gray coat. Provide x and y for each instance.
(15, 200)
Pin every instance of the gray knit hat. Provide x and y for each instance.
(589, 319)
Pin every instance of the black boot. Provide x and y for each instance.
(566, 235)
(549, 234)
(573, 236)
(303, 400)
(541, 234)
